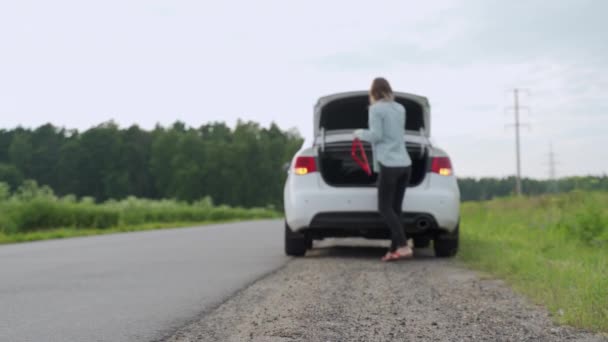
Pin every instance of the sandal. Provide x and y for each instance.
(398, 254)
(388, 257)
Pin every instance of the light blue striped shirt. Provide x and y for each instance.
(386, 134)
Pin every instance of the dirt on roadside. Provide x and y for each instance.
(344, 293)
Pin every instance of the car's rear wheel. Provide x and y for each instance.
(295, 243)
(446, 245)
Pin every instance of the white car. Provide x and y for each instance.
(327, 194)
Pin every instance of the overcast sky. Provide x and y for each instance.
(79, 63)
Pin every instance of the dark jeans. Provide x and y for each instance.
(392, 182)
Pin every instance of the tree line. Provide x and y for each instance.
(472, 189)
(241, 166)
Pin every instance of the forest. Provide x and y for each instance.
(240, 166)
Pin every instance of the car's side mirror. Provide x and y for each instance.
(286, 167)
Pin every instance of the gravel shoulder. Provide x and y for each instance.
(341, 292)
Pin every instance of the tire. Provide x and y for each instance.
(446, 245)
(295, 243)
(421, 241)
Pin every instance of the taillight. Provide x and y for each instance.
(442, 166)
(305, 165)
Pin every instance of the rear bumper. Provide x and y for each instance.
(320, 207)
(366, 224)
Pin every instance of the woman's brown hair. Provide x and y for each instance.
(380, 90)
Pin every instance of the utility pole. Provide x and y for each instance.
(551, 163)
(517, 124)
(516, 109)
(552, 172)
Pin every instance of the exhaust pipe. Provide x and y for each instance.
(422, 223)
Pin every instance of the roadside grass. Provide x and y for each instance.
(64, 233)
(35, 213)
(553, 249)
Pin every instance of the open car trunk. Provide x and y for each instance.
(349, 111)
(339, 169)
(337, 116)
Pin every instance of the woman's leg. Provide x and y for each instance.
(387, 190)
(400, 188)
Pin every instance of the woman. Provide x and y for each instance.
(391, 161)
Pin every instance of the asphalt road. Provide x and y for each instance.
(129, 287)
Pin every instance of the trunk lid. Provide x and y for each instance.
(344, 112)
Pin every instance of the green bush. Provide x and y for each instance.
(40, 214)
(582, 218)
(34, 208)
(589, 224)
